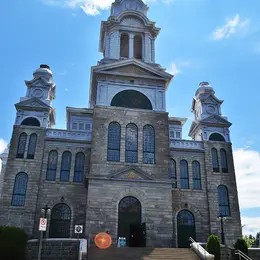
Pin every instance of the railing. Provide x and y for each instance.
(199, 250)
(186, 144)
(67, 134)
(242, 255)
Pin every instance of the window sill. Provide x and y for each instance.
(64, 182)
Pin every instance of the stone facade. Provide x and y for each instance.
(164, 192)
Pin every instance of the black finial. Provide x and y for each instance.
(44, 66)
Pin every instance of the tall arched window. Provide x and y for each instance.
(19, 191)
(124, 45)
(79, 167)
(215, 164)
(65, 166)
(184, 174)
(114, 140)
(148, 145)
(21, 145)
(138, 47)
(223, 200)
(32, 146)
(60, 221)
(52, 166)
(196, 175)
(223, 159)
(131, 144)
(173, 173)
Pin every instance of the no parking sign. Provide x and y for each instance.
(43, 224)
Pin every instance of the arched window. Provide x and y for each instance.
(148, 145)
(223, 200)
(216, 137)
(32, 146)
(173, 173)
(21, 145)
(52, 166)
(79, 167)
(19, 191)
(131, 144)
(60, 221)
(65, 166)
(114, 140)
(124, 45)
(223, 159)
(138, 47)
(196, 175)
(131, 99)
(31, 121)
(184, 174)
(215, 165)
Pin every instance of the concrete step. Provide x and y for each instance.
(142, 254)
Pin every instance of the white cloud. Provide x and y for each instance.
(90, 7)
(232, 26)
(250, 225)
(247, 165)
(175, 67)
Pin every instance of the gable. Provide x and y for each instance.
(133, 70)
(130, 173)
(216, 120)
(33, 102)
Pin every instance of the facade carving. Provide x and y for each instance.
(124, 154)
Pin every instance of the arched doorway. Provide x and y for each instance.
(185, 228)
(130, 222)
(60, 221)
(131, 99)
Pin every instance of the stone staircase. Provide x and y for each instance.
(142, 253)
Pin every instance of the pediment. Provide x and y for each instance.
(32, 102)
(39, 82)
(216, 120)
(210, 99)
(130, 173)
(133, 68)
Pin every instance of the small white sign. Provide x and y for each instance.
(78, 229)
(43, 224)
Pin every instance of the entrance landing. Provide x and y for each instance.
(142, 254)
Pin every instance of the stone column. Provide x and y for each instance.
(131, 45)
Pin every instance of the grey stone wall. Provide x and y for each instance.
(22, 216)
(189, 199)
(104, 195)
(232, 227)
(54, 250)
(71, 193)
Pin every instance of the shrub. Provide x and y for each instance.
(213, 246)
(12, 243)
(241, 245)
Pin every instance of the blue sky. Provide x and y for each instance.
(200, 40)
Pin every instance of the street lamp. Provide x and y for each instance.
(45, 213)
(222, 219)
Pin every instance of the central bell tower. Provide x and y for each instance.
(128, 33)
(128, 76)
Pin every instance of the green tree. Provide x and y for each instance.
(213, 246)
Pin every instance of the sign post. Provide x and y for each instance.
(42, 227)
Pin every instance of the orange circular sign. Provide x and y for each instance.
(103, 240)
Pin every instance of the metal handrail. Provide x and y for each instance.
(201, 250)
(240, 253)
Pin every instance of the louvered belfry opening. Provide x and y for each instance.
(124, 45)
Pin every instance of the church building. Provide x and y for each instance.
(121, 165)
